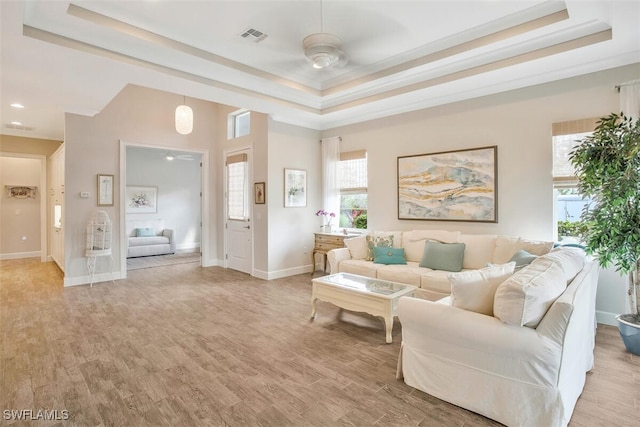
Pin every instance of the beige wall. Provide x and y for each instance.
(519, 123)
(291, 230)
(137, 116)
(10, 144)
(20, 218)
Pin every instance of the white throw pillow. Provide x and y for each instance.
(524, 298)
(474, 290)
(357, 246)
(507, 246)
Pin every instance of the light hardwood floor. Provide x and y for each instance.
(193, 346)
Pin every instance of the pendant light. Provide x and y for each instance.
(184, 119)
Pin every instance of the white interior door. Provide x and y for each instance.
(239, 235)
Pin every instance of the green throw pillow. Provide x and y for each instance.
(443, 256)
(145, 232)
(522, 258)
(388, 256)
(377, 242)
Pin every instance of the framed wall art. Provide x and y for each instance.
(295, 188)
(259, 193)
(105, 190)
(449, 186)
(141, 200)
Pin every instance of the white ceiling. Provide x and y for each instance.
(60, 56)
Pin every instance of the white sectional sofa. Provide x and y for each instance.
(480, 249)
(526, 364)
(149, 237)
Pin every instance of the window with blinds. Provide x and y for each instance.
(352, 183)
(237, 187)
(569, 203)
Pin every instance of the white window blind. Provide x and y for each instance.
(566, 136)
(237, 184)
(352, 172)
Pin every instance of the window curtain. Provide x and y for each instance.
(630, 99)
(330, 191)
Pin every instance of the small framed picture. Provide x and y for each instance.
(141, 200)
(105, 190)
(259, 193)
(295, 188)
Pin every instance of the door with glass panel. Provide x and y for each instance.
(238, 232)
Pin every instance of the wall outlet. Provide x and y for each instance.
(24, 237)
(84, 194)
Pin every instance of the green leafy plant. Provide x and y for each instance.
(607, 165)
(574, 229)
(360, 221)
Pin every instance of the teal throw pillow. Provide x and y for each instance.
(522, 258)
(443, 256)
(145, 232)
(388, 256)
(377, 242)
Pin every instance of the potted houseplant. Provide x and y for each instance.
(607, 165)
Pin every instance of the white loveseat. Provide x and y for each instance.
(149, 237)
(494, 365)
(480, 249)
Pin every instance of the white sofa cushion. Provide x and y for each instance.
(360, 267)
(148, 241)
(474, 290)
(524, 298)
(435, 280)
(507, 246)
(409, 274)
(478, 249)
(357, 247)
(571, 260)
(413, 241)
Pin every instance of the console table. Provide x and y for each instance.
(324, 242)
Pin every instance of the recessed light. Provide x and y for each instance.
(16, 123)
(17, 105)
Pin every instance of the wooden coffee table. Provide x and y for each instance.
(358, 293)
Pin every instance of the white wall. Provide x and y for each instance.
(20, 218)
(178, 183)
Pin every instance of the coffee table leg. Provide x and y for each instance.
(388, 327)
(314, 309)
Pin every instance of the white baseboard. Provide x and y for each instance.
(97, 278)
(278, 274)
(212, 263)
(188, 247)
(606, 318)
(20, 255)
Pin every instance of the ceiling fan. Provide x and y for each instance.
(323, 49)
(169, 155)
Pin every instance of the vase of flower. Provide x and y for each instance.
(327, 217)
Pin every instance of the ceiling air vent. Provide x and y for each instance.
(19, 127)
(253, 35)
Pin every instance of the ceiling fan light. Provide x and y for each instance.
(184, 119)
(322, 49)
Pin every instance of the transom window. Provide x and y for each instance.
(239, 124)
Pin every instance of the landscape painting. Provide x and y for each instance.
(450, 186)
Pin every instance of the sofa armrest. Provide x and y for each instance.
(171, 235)
(335, 256)
(475, 340)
